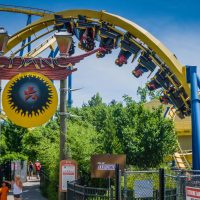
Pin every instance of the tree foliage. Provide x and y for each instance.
(146, 137)
(145, 94)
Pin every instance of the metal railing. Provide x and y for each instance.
(141, 180)
(79, 192)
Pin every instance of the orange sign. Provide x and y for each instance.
(68, 173)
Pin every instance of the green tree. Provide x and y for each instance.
(142, 93)
(128, 128)
(13, 136)
(146, 94)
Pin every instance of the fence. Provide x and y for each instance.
(188, 179)
(140, 185)
(78, 192)
(146, 185)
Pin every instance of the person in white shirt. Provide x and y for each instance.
(17, 187)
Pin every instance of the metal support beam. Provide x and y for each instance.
(162, 184)
(117, 182)
(64, 40)
(53, 53)
(198, 81)
(63, 127)
(193, 79)
(70, 91)
(29, 38)
(29, 20)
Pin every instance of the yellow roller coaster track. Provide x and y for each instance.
(24, 10)
(155, 45)
(47, 19)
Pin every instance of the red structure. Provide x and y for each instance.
(54, 68)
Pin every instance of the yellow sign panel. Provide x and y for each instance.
(29, 99)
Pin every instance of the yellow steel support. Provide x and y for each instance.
(33, 40)
(49, 43)
(22, 10)
(165, 54)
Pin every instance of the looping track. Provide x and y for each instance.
(162, 57)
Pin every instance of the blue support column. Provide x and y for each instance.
(29, 38)
(198, 81)
(70, 91)
(22, 50)
(29, 20)
(54, 53)
(193, 79)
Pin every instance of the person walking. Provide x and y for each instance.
(4, 191)
(30, 169)
(17, 187)
(37, 168)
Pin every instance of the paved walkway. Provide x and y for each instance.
(31, 191)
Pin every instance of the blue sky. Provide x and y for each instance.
(175, 22)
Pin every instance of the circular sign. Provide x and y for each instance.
(29, 99)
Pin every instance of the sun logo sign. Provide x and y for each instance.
(30, 99)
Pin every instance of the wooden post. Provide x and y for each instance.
(63, 127)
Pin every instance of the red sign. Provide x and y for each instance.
(68, 173)
(192, 193)
(53, 68)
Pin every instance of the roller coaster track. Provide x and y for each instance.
(24, 10)
(155, 45)
(179, 156)
(160, 55)
(144, 40)
(49, 43)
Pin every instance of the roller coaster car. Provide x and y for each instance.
(107, 44)
(86, 39)
(173, 96)
(83, 23)
(128, 45)
(159, 80)
(122, 57)
(145, 64)
(62, 23)
(72, 49)
(127, 49)
(107, 32)
(86, 32)
(153, 85)
(146, 61)
(139, 70)
(165, 99)
(109, 40)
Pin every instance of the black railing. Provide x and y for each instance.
(45, 182)
(79, 192)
